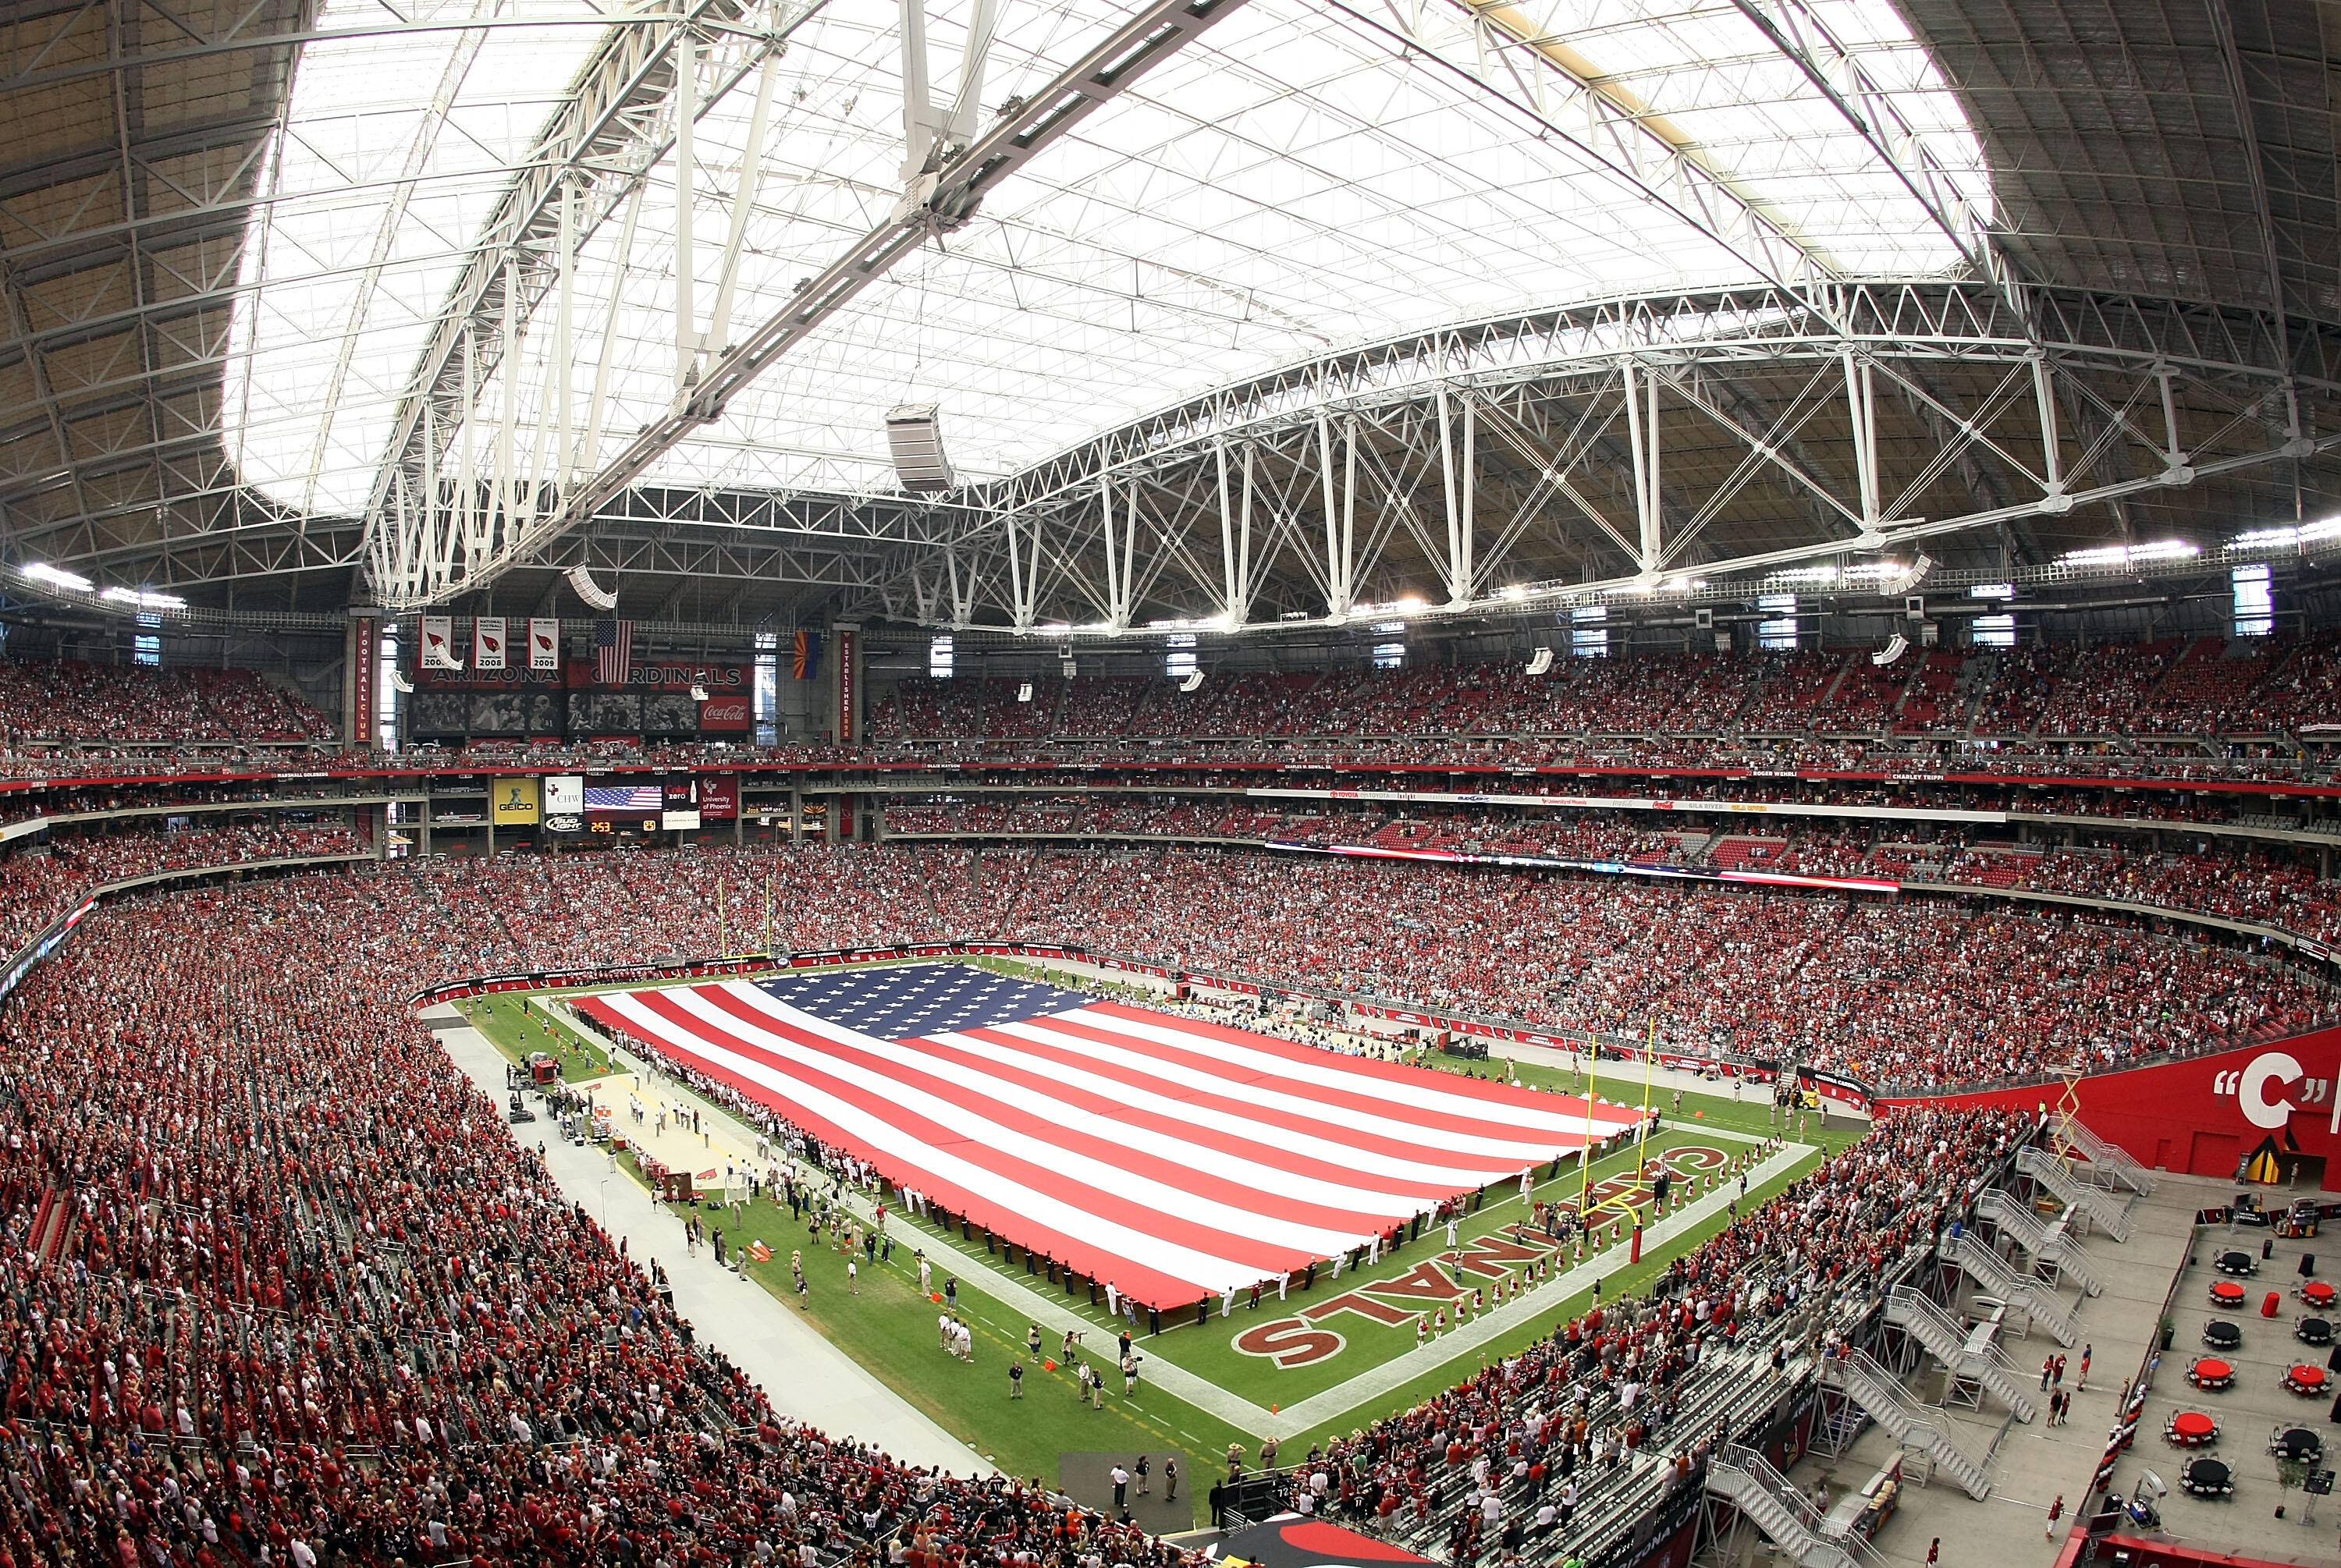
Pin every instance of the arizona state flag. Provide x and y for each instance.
(807, 662)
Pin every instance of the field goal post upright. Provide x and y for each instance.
(1627, 1202)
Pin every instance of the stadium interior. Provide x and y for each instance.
(1498, 782)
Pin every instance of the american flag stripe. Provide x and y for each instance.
(1031, 1150)
(1359, 1120)
(1085, 1145)
(1157, 1132)
(1320, 1173)
(1047, 1213)
(1171, 1158)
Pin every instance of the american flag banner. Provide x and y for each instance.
(649, 798)
(1171, 1158)
(544, 642)
(613, 650)
(487, 642)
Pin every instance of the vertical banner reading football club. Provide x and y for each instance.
(515, 802)
(544, 642)
(487, 642)
(439, 643)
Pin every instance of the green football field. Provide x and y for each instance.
(1325, 1360)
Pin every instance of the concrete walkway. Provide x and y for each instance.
(802, 1374)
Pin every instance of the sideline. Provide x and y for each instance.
(1324, 1405)
(804, 1374)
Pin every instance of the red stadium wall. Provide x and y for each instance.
(2203, 1116)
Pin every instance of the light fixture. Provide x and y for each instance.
(2130, 554)
(42, 572)
(916, 440)
(1541, 662)
(591, 592)
(144, 599)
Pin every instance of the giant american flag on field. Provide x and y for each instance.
(1169, 1157)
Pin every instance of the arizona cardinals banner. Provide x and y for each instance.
(487, 642)
(1170, 1157)
(439, 643)
(544, 642)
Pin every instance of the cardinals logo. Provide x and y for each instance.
(2271, 1087)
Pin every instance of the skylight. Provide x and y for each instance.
(1304, 178)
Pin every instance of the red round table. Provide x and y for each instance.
(2306, 1380)
(2226, 1293)
(2317, 1293)
(2211, 1373)
(2191, 1429)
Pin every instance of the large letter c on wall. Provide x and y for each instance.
(2276, 1066)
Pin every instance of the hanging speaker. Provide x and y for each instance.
(1541, 662)
(916, 440)
(591, 592)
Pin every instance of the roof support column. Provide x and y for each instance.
(686, 313)
(2052, 457)
(1863, 406)
(1642, 443)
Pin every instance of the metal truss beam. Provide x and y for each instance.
(1569, 404)
(622, 119)
(412, 559)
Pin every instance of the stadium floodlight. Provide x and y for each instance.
(57, 576)
(144, 599)
(1896, 647)
(1541, 662)
(916, 440)
(590, 591)
(1193, 681)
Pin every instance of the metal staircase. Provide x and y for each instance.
(2109, 1166)
(1909, 1423)
(2094, 1203)
(1747, 1480)
(1936, 1329)
(2050, 1244)
(1992, 1275)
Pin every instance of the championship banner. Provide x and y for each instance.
(517, 803)
(487, 642)
(439, 643)
(544, 642)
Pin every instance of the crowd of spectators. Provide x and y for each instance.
(2243, 885)
(2053, 694)
(286, 1291)
(71, 701)
(1504, 1461)
(38, 886)
(282, 1291)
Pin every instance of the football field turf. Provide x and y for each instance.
(1326, 1359)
